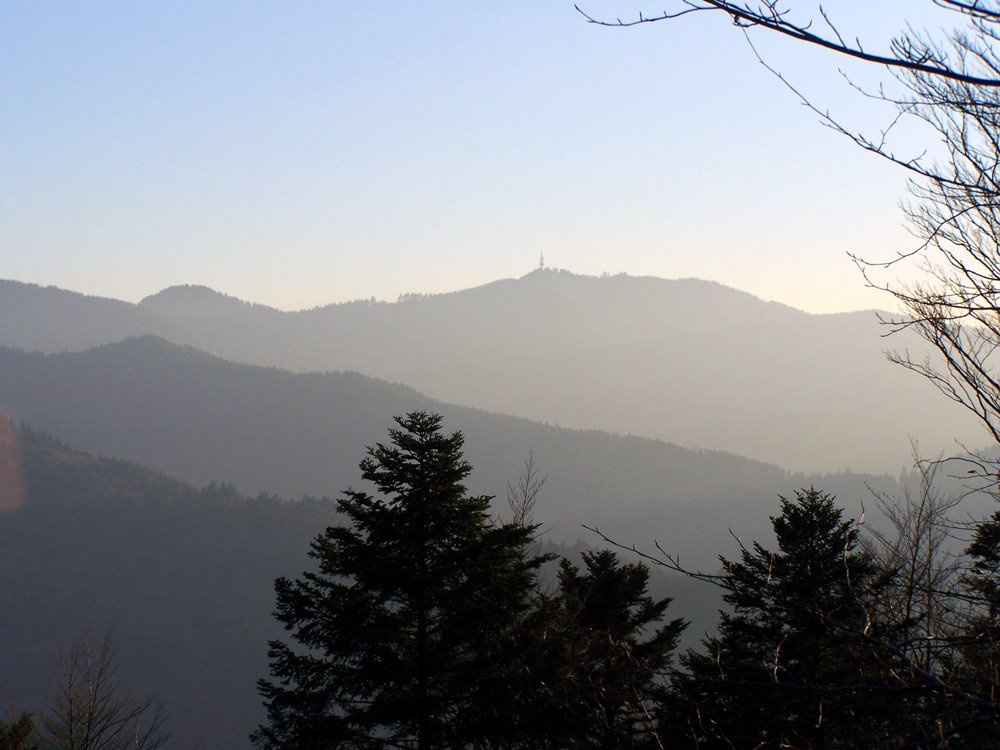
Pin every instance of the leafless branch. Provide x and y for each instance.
(523, 494)
(662, 560)
(89, 711)
(904, 54)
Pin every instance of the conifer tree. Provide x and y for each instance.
(975, 707)
(617, 652)
(18, 734)
(408, 633)
(791, 666)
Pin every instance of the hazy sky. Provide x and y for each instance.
(298, 153)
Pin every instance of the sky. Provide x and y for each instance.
(302, 153)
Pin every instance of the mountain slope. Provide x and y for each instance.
(688, 361)
(182, 577)
(205, 419)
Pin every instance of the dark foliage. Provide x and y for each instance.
(18, 734)
(409, 630)
(976, 672)
(616, 651)
(790, 666)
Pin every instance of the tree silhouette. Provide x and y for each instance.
(790, 665)
(410, 629)
(617, 652)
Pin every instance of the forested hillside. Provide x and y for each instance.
(687, 361)
(265, 430)
(183, 578)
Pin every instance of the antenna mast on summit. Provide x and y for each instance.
(541, 261)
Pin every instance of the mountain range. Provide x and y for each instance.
(687, 361)
(257, 405)
(204, 419)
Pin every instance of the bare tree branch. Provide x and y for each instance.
(523, 494)
(89, 711)
(905, 54)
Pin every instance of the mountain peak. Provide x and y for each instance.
(195, 299)
(184, 293)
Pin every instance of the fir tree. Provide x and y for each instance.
(410, 629)
(791, 665)
(974, 707)
(617, 651)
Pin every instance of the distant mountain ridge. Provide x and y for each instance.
(195, 299)
(688, 361)
(204, 419)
